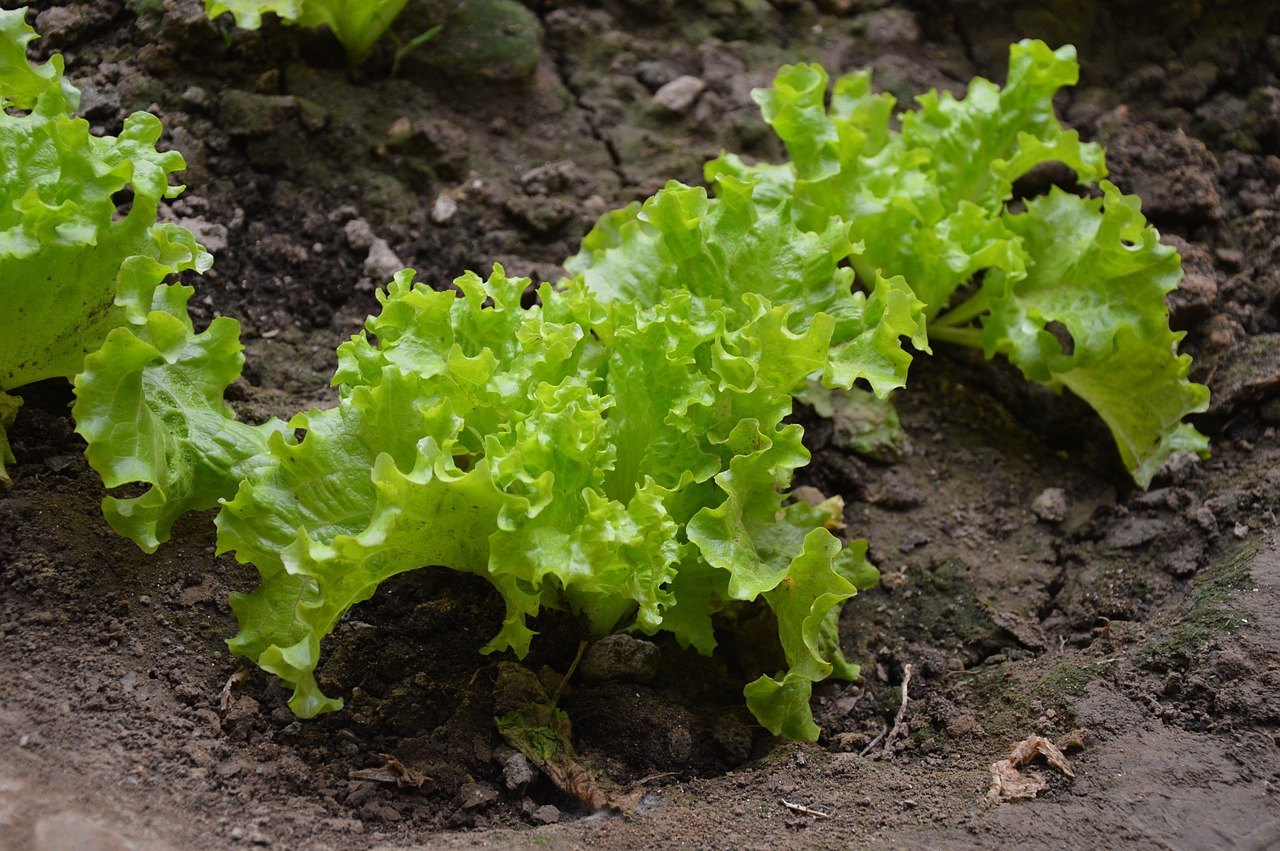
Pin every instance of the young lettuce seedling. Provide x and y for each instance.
(356, 23)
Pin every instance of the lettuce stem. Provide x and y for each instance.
(963, 313)
(971, 337)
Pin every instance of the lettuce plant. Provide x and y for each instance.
(72, 268)
(621, 448)
(626, 461)
(1069, 287)
(356, 23)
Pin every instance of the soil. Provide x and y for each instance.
(1028, 588)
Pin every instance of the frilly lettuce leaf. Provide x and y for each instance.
(980, 145)
(8, 411)
(248, 13)
(807, 603)
(466, 437)
(21, 83)
(725, 248)
(71, 270)
(620, 449)
(865, 424)
(149, 404)
(930, 203)
(356, 23)
(1098, 271)
(925, 202)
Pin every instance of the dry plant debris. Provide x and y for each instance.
(1009, 782)
(391, 771)
(801, 808)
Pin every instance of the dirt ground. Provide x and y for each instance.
(1140, 630)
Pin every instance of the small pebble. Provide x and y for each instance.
(444, 209)
(620, 657)
(1051, 505)
(913, 541)
(546, 814)
(196, 98)
(518, 772)
(679, 95)
(382, 263)
(473, 796)
(359, 234)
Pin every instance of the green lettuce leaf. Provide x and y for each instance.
(805, 603)
(925, 202)
(1098, 271)
(465, 438)
(149, 404)
(865, 424)
(71, 270)
(930, 202)
(248, 13)
(8, 411)
(725, 248)
(356, 23)
(21, 83)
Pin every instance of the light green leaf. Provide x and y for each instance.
(1098, 270)
(248, 13)
(23, 84)
(864, 423)
(356, 23)
(442, 451)
(782, 707)
(874, 353)
(682, 241)
(803, 601)
(724, 249)
(8, 411)
(149, 404)
(928, 203)
(71, 270)
(981, 144)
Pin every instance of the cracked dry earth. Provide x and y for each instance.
(1028, 588)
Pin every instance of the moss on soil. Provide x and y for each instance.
(1211, 611)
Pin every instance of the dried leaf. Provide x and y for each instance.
(1032, 746)
(224, 699)
(392, 771)
(1009, 783)
(542, 732)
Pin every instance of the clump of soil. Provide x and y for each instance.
(1028, 587)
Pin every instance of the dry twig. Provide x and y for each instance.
(582, 648)
(872, 744)
(902, 710)
(801, 808)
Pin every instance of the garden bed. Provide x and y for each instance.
(1028, 587)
